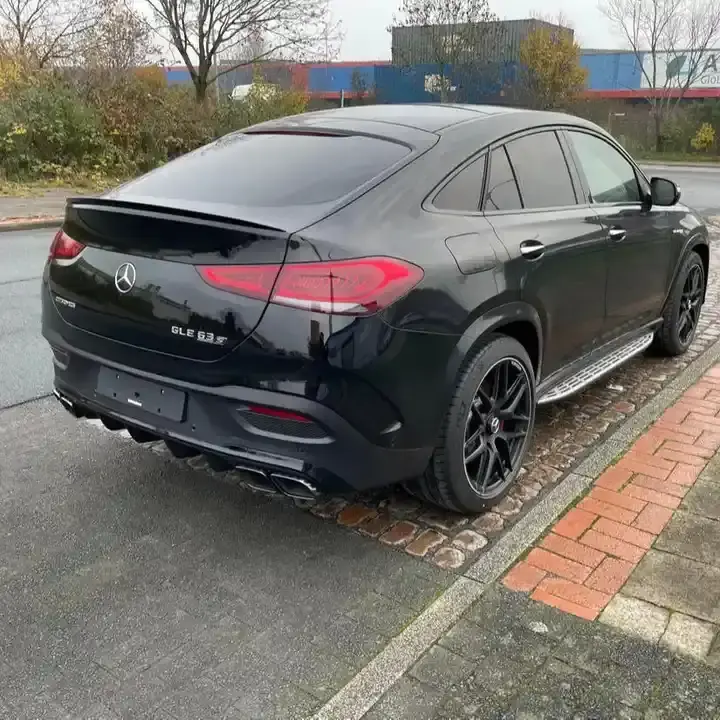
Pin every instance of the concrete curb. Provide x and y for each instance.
(30, 224)
(354, 700)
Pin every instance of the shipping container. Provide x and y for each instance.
(485, 42)
(333, 78)
(422, 83)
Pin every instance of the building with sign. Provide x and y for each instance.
(690, 69)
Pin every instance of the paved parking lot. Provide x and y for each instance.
(129, 583)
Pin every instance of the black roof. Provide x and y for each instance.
(414, 124)
(430, 117)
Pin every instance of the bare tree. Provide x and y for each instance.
(120, 40)
(203, 30)
(670, 40)
(457, 34)
(46, 32)
(244, 51)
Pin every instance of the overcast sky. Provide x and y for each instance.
(365, 23)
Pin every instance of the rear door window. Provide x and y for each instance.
(502, 190)
(541, 171)
(272, 169)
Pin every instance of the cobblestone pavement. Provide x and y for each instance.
(564, 433)
(511, 658)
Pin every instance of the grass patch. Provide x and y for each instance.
(662, 157)
(78, 185)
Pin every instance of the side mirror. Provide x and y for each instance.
(664, 192)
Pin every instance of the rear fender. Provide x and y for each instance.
(485, 325)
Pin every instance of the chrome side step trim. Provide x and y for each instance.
(596, 370)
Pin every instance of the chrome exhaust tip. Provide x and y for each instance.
(259, 481)
(69, 405)
(294, 487)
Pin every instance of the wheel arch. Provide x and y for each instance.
(703, 250)
(697, 244)
(516, 319)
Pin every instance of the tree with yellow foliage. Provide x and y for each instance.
(13, 73)
(551, 73)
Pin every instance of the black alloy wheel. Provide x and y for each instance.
(497, 428)
(486, 430)
(690, 304)
(682, 312)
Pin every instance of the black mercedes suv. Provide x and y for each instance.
(347, 299)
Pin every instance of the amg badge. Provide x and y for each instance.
(67, 303)
(199, 335)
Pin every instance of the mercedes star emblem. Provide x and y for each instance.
(125, 278)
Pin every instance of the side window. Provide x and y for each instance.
(610, 176)
(462, 193)
(541, 170)
(502, 190)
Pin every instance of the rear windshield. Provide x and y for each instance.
(272, 170)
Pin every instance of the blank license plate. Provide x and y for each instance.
(141, 394)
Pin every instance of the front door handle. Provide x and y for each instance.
(617, 234)
(532, 249)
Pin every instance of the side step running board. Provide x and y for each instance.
(596, 370)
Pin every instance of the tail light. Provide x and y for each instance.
(342, 287)
(63, 247)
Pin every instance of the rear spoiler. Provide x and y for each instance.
(216, 214)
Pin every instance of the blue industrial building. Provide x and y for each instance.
(611, 74)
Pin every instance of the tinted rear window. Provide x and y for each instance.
(541, 171)
(463, 191)
(272, 170)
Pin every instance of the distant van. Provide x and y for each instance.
(240, 92)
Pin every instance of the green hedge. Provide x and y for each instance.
(56, 127)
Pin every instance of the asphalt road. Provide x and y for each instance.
(25, 358)
(699, 185)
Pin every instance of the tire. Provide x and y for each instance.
(671, 338)
(447, 482)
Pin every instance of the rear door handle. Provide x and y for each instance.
(532, 249)
(617, 234)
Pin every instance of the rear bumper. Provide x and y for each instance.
(328, 455)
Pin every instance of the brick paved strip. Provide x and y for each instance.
(557, 565)
(592, 549)
(653, 519)
(669, 488)
(524, 577)
(610, 576)
(631, 535)
(574, 523)
(573, 550)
